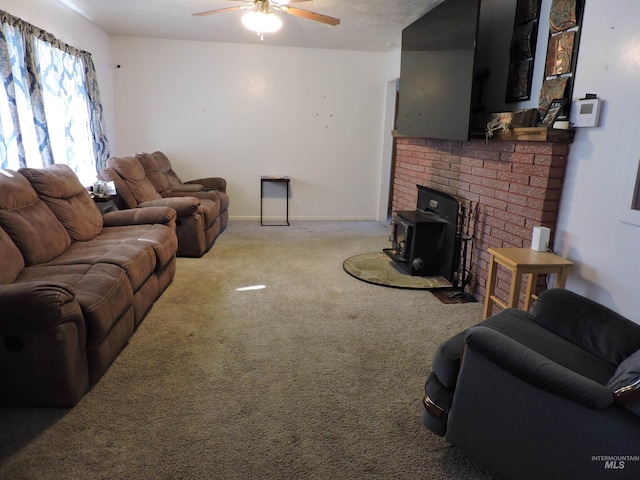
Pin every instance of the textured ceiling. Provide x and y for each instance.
(369, 25)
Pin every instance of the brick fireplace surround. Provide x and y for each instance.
(516, 185)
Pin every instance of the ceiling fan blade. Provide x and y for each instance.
(220, 10)
(318, 17)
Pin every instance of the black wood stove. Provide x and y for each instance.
(426, 241)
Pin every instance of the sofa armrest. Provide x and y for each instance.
(140, 216)
(31, 307)
(217, 183)
(535, 369)
(182, 205)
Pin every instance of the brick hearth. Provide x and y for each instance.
(516, 185)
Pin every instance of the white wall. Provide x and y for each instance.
(242, 111)
(603, 161)
(74, 30)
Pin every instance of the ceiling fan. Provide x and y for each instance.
(261, 18)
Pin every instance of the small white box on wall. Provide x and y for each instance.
(585, 112)
(540, 239)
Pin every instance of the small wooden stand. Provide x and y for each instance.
(522, 261)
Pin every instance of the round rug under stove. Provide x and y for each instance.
(379, 269)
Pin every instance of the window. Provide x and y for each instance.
(50, 109)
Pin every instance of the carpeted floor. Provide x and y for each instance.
(315, 376)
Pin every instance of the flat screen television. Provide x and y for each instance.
(437, 72)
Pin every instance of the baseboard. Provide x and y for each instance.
(252, 218)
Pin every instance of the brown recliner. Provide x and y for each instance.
(167, 183)
(198, 223)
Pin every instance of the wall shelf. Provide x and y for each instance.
(518, 134)
(530, 134)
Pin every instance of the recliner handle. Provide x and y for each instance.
(432, 408)
(629, 394)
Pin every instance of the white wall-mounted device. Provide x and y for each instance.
(585, 112)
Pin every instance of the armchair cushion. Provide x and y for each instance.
(67, 198)
(537, 370)
(587, 324)
(522, 328)
(26, 219)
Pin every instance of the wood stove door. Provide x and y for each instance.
(427, 247)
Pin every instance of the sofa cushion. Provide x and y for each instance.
(137, 258)
(152, 171)
(28, 221)
(162, 239)
(67, 198)
(11, 261)
(165, 168)
(131, 171)
(125, 198)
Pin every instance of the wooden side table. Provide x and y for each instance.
(105, 203)
(522, 261)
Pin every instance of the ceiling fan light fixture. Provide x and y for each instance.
(261, 22)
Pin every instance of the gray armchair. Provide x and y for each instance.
(546, 394)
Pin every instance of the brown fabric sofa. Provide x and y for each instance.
(197, 223)
(74, 285)
(167, 183)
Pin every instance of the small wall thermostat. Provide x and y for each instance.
(585, 112)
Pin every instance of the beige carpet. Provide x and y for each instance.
(315, 376)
